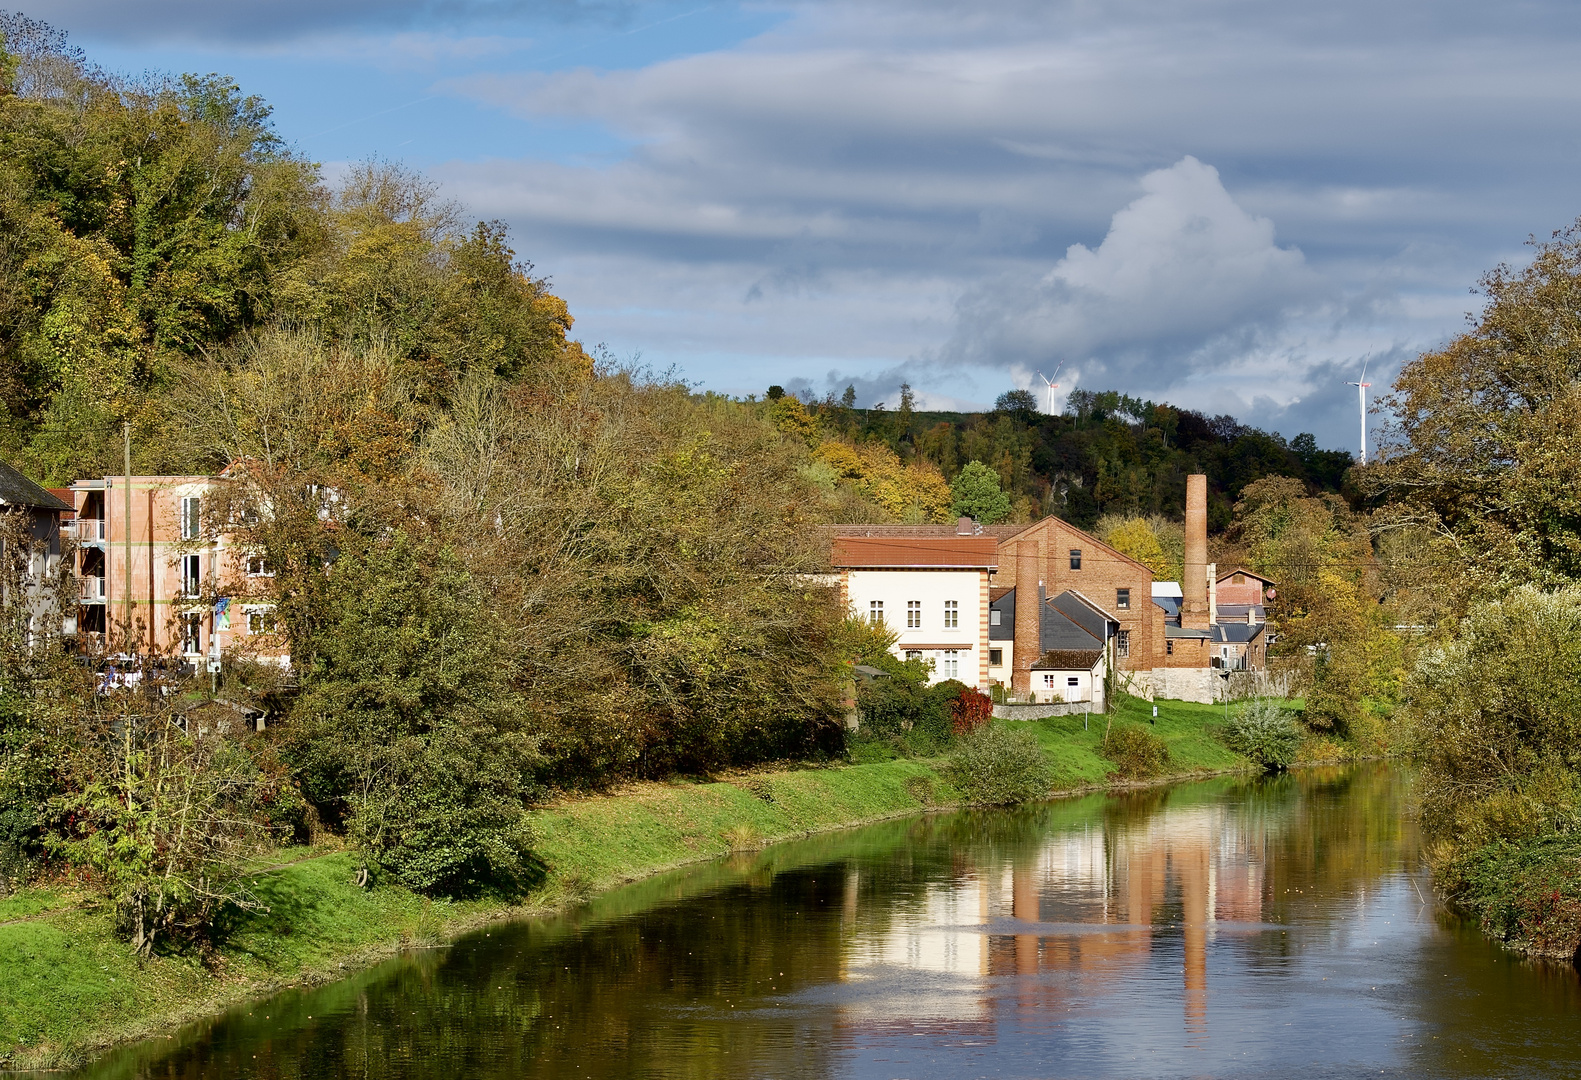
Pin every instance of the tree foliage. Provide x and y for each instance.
(976, 494)
(1497, 713)
(1484, 451)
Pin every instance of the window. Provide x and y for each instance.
(1122, 599)
(191, 575)
(1075, 558)
(260, 621)
(190, 518)
(952, 663)
(993, 617)
(1239, 579)
(952, 614)
(192, 633)
(913, 614)
(1074, 680)
(996, 658)
(258, 566)
(1169, 648)
(1048, 681)
(1122, 644)
(913, 654)
(875, 612)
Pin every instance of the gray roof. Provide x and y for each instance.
(1240, 611)
(1006, 606)
(1172, 631)
(1068, 660)
(1236, 633)
(18, 490)
(1170, 604)
(1069, 622)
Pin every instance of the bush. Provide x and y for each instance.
(1136, 752)
(997, 765)
(970, 710)
(1498, 717)
(1266, 732)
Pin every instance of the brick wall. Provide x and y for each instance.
(1103, 573)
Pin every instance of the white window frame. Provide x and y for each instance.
(192, 633)
(191, 517)
(950, 662)
(875, 612)
(913, 614)
(952, 614)
(1073, 680)
(191, 575)
(994, 615)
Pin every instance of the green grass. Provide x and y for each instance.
(69, 986)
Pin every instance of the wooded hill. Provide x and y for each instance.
(1106, 454)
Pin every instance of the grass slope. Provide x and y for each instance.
(69, 986)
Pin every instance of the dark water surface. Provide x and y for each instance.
(1231, 928)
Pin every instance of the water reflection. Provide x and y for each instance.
(1226, 928)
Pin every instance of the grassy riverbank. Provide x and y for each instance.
(69, 987)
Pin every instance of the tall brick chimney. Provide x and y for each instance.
(1028, 567)
(1194, 612)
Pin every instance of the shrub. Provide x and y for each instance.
(1266, 732)
(1136, 752)
(998, 766)
(970, 710)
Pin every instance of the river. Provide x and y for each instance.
(1228, 928)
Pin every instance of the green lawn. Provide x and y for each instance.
(69, 986)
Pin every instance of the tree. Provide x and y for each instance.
(1017, 401)
(1140, 538)
(408, 729)
(976, 494)
(1485, 447)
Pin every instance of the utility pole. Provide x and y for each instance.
(126, 523)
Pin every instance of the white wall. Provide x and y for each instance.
(1089, 685)
(931, 588)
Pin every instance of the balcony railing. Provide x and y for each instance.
(87, 530)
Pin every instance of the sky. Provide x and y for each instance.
(1224, 204)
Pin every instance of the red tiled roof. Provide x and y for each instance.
(974, 552)
(997, 594)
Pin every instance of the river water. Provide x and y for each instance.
(1230, 928)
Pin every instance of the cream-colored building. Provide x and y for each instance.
(931, 591)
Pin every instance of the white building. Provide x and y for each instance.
(932, 591)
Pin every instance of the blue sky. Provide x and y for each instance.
(1221, 203)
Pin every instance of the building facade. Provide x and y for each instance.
(159, 573)
(931, 591)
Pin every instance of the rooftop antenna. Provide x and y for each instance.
(1053, 386)
(1361, 395)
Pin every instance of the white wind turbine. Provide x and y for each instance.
(1052, 385)
(1361, 394)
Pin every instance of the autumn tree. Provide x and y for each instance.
(1483, 451)
(1320, 555)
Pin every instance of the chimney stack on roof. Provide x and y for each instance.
(965, 526)
(1194, 612)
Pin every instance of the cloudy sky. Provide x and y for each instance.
(1224, 204)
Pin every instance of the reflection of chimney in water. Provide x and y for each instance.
(1194, 613)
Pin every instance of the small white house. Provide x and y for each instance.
(1070, 675)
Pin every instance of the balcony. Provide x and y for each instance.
(92, 589)
(86, 530)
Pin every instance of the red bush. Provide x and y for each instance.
(971, 710)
